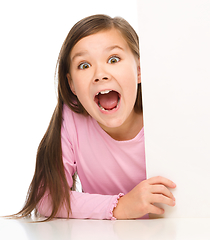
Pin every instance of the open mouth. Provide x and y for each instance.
(107, 100)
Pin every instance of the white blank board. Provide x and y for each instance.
(175, 65)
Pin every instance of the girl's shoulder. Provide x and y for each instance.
(69, 115)
(74, 121)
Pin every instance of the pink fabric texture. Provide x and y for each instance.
(107, 168)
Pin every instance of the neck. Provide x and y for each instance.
(127, 130)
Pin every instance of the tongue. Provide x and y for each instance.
(108, 101)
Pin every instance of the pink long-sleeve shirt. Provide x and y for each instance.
(107, 168)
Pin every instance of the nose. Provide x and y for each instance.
(98, 79)
(100, 74)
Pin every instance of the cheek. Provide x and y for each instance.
(77, 85)
(130, 86)
(81, 80)
(130, 80)
(81, 91)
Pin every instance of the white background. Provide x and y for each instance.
(175, 61)
(32, 33)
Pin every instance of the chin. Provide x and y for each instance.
(112, 124)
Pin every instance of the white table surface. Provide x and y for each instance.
(75, 229)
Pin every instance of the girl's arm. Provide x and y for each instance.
(140, 200)
(83, 205)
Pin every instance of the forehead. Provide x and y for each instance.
(99, 41)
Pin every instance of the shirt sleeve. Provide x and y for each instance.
(83, 205)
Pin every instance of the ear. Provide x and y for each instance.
(139, 71)
(71, 84)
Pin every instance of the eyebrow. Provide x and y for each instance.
(113, 47)
(79, 54)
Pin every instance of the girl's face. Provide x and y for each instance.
(104, 74)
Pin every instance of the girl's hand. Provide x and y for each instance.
(139, 201)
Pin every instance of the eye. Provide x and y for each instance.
(84, 65)
(113, 59)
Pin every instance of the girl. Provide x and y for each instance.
(96, 131)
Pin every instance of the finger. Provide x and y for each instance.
(161, 189)
(159, 198)
(161, 180)
(155, 210)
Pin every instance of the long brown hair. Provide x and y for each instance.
(49, 172)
